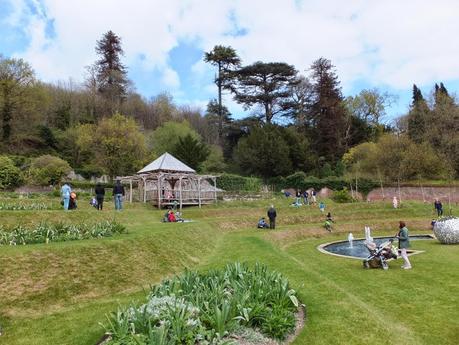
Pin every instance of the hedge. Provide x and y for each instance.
(230, 182)
(300, 181)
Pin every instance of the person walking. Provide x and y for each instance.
(403, 244)
(118, 194)
(100, 194)
(272, 217)
(314, 196)
(65, 193)
(395, 202)
(306, 197)
(438, 207)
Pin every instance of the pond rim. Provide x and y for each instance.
(321, 247)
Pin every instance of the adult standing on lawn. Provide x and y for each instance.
(118, 194)
(403, 244)
(272, 217)
(100, 195)
(438, 207)
(65, 193)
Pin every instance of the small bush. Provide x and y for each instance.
(48, 170)
(10, 175)
(342, 196)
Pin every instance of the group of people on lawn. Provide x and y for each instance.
(69, 197)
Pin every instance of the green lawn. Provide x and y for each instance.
(60, 292)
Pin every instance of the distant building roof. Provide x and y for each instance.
(168, 163)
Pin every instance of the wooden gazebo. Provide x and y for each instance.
(169, 182)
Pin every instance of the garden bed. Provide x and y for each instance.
(47, 232)
(236, 305)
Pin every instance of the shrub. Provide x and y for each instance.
(230, 182)
(342, 196)
(48, 170)
(10, 175)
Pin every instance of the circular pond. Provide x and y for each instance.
(358, 250)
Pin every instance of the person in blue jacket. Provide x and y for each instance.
(65, 194)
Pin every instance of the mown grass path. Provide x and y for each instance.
(58, 293)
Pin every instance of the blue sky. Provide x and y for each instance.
(387, 45)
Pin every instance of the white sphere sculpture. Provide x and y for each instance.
(447, 230)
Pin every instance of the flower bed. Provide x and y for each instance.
(46, 232)
(210, 308)
(21, 206)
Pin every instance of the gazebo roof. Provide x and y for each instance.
(166, 162)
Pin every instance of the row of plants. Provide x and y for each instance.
(209, 308)
(24, 206)
(47, 232)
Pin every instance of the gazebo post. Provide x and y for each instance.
(130, 191)
(159, 191)
(180, 191)
(144, 189)
(215, 188)
(199, 192)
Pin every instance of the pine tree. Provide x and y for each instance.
(328, 114)
(418, 115)
(111, 73)
(267, 85)
(226, 59)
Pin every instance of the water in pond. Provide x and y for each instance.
(358, 248)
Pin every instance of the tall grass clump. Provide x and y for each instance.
(209, 307)
(46, 232)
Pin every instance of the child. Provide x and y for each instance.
(322, 207)
(328, 222)
(262, 223)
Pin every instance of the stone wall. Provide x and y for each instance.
(427, 194)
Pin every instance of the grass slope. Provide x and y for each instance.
(58, 293)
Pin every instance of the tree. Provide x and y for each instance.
(226, 60)
(10, 175)
(302, 97)
(418, 116)
(119, 145)
(218, 118)
(111, 74)
(16, 76)
(191, 151)
(328, 113)
(214, 162)
(370, 105)
(48, 170)
(263, 153)
(268, 85)
(166, 138)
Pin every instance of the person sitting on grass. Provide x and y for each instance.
(328, 222)
(262, 224)
(171, 217)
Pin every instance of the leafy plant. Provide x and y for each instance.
(46, 232)
(208, 308)
(342, 196)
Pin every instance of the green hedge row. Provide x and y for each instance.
(230, 182)
(301, 181)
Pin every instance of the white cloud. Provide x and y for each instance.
(170, 78)
(392, 43)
